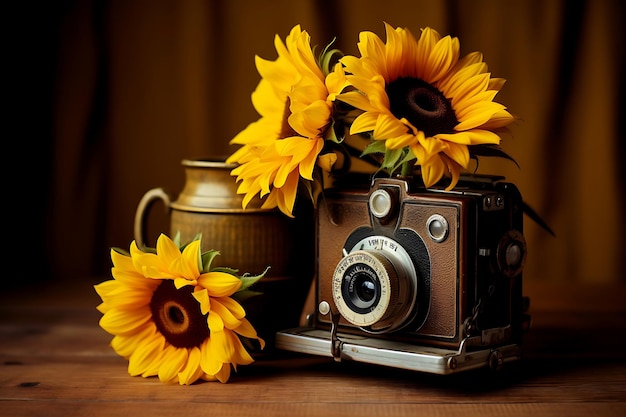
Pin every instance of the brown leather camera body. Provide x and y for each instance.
(467, 253)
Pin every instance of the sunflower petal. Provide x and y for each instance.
(219, 284)
(209, 362)
(364, 123)
(240, 355)
(167, 250)
(124, 322)
(458, 153)
(174, 360)
(126, 345)
(143, 358)
(123, 297)
(192, 370)
(432, 171)
(327, 161)
(229, 319)
(477, 115)
(247, 330)
(215, 323)
(224, 373)
(233, 306)
(202, 295)
(221, 346)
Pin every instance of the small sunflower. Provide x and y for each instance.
(284, 146)
(174, 317)
(421, 101)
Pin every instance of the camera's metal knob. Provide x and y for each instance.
(323, 308)
(437, 227)
(511, 253)
(380, 203)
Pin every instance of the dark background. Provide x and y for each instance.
(105, 98)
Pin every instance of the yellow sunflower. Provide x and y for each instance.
(295, 101)
(173, 317)
(419, 97)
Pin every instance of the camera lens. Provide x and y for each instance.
(375, 289)
(365, 288)
(360, 288)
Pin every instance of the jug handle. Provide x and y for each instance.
(143, 208)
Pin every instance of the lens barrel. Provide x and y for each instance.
(375, 288)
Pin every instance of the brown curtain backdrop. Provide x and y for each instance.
(110, 96)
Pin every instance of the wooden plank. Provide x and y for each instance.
(55, 360)
(317, 380)
(62, 408)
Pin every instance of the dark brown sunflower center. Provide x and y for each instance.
(423, 105)
(177, 315)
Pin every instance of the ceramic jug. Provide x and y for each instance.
(248, 240)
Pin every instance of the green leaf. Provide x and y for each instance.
(248, 280)
(226, 270)
(332, 133)
(176, 239)
(184, 245)
(408, 156)
(328, 57)
(207, 259)
(392, 159)
(490, 150)
(377, 146)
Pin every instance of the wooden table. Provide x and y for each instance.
(55, 361)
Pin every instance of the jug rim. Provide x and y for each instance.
(208, 162)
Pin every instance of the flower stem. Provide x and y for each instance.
(407, 169)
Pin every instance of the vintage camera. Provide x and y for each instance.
(421, 279)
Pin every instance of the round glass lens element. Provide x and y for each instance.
(361, 287)
(437, 227)
(365, 288)
(380, 203)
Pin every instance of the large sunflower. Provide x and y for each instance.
(173, 317)
(422, 101)
(295, 101)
